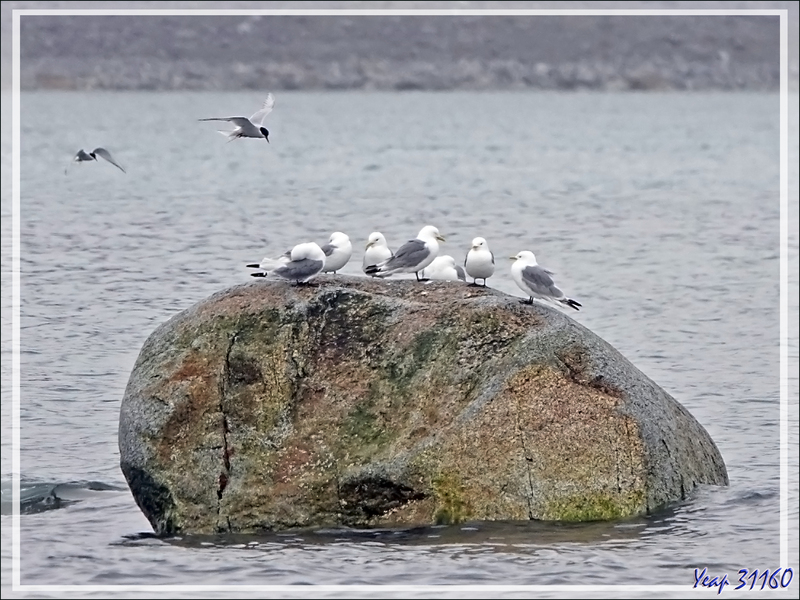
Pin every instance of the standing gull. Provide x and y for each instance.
(444, 268)
(480, 261)
(252, 127)
(536, 281)
(376, 251)
(337, 251)
(306, 260)
(82, 156)
(413, 256)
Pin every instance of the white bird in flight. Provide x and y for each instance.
(536, 281)
(83, 156)
(252, 127)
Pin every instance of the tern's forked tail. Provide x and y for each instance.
(231, 135)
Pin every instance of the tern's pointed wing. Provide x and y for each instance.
(238, 121)
(266, 108)
(79, 156)
(107, 155)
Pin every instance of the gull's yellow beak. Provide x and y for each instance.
(369, 245)
(512, 257)
(440, 237)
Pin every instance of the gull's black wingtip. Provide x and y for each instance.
(254, 266)
(573, 303)
(258, 274)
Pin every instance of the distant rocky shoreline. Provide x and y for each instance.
(401, 53)
(138, 74)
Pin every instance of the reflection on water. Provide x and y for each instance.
(507, 536)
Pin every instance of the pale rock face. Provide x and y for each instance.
(365, 403)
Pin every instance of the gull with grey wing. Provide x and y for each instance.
(411, 257)
(337, 252)
(305, 261)
(536, 281)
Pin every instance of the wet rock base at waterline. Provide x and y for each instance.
(363, 403)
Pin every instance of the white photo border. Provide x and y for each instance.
(434, 589)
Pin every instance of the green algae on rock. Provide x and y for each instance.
(388, 403)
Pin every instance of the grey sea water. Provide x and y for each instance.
(658, 212)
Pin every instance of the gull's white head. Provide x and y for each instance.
(338, 238)
(376, 238)
(309, 250)
(525, 257)
(443, 267)
(430, 232)
(442, 262)
(479, 243)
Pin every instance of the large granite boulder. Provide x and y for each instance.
(362, 403)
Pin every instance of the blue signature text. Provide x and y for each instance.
(779, 578)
